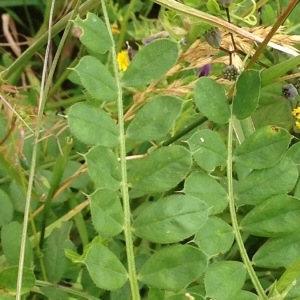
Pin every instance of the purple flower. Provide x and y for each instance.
(204, 71)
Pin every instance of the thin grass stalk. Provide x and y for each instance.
(38, 127)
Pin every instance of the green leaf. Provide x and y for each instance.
(94, 34)
(103, 168)
(173, 268)
(269, 75)
(208, 149)
(224, 279)
(211, 100)
(151, 63)
(162, 170)
(278, 252)
(263, 148)
(262, 184)
(290, 278)
(214, 237)
(11, 242)
(155, 119)
(92, 125)
(96, 79)
(54, 254)
(275, 217)
(104, 267)
(246, 98)
(171, 219)
(208, 190)
(8, 279)
(107, 213)
(6, 209)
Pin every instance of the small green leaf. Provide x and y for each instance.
(91, 125)
(211, 100)
(6, 209)
(104, 267)
(262, 184)
(246, 98)
(278, 252)
(217, 283)
(208, 190)
(164, 269)
(151, 63)
(208, 149)
(162, 170)
(263, 148)
(155, 119)
(96, 79)
(8, 279)
(11, 242)
(275, 217)
(171, 219)
(103, 168)
(94, 33)
(214, 237)
(107, 213)
(55, 261)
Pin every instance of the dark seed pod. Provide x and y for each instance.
(225, 3)
(230, 72)
(289, 91)
(213, 37)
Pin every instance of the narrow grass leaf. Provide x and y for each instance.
(171, 219)
(246, 98)
(214, 237)
(92, 125)
(94, 34)
(265, 183)
(11, 242)
(275, 217)
(208, 190)
(263, 148)
(223, 280)
(278, 252)
(155, 119)
(54, 254)
(208, 149)
(211, 100)
(96, 79)
(8, 279)
(173, 268)
(162, 170)
(105, 268)
(107, 213)
(104, 168)
(151, 63)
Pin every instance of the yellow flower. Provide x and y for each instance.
(296, 112)
(115, 29)
(297, 123)
(123, 60)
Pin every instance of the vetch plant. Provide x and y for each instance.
(164, 181)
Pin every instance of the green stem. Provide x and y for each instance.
(259, 289)
(124, 24)
(124, 185)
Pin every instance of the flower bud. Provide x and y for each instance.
(213, 37)
(289, 91)
(225, 3)
(230, 72)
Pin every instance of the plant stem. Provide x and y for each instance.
(124, 185)
(42, 100)
(259, 289)
(275, 27)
